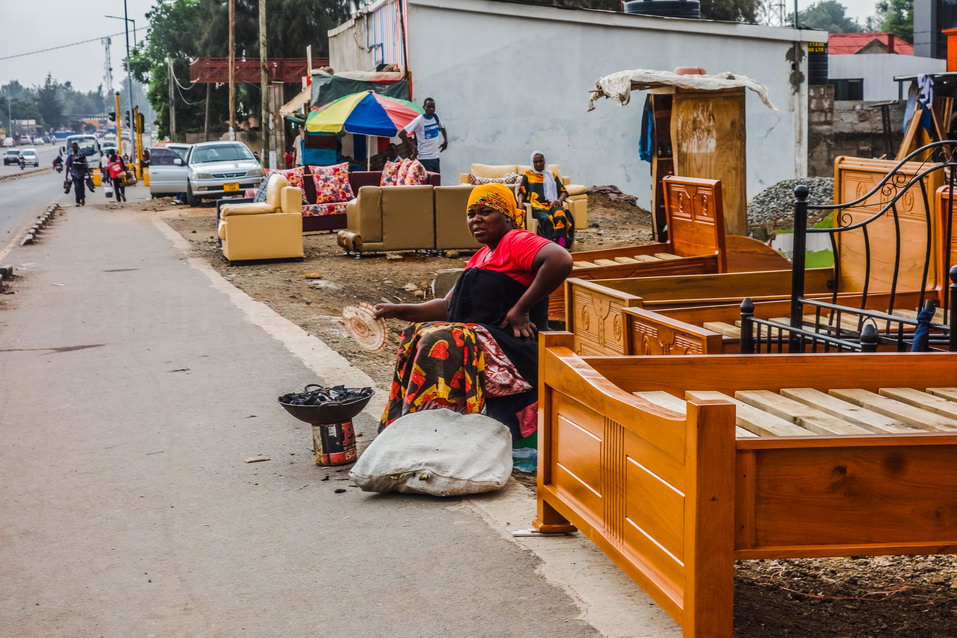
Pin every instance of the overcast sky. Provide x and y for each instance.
(30, 25)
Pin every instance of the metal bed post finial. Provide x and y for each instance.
(747, 326)
(869, 338)
(798, 258)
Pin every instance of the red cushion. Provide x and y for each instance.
(332, 183)
(295, 178)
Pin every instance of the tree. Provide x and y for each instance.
(48, 102)
(732, 10)
(830, 16)
(897, 17)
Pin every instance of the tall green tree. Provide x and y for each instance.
(49, 103)
(897, 17)
(830, 16)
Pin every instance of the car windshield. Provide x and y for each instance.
(13, 152)
(29, 152)
(220, 153)
(87, 145)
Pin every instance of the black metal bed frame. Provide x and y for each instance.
(857, 329)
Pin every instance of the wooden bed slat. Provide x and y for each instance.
(644, 258)
(671, 402)
(907, 413)
(944, 393)
(752, 419)
(723, 328)
(909, 314)
(667, 256)
(606, 262)
(814, 420)
(583, 264)
(922, 400)
(627, 260)
(871, 421)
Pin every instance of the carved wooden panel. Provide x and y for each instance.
(695, 216)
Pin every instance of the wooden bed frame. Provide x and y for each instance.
(594, 309)
(697, 243)
(674, 487)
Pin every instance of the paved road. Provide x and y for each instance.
(21, 199)
(45, 154)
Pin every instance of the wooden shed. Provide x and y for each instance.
(694, 126)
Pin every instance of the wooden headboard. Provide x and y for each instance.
(854, 177)
(695, 214)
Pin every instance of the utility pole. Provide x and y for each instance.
(129, 72)
(232, 69)
(172, 102)
(119, 126)
(264, 118)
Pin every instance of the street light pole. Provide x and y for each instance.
(135, 43)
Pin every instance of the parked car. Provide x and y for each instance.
(30, 157)
(11, 157)
(168, 169)
(7, 141)
(39, 140)
(219, 169)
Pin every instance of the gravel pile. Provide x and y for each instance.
(774, 206)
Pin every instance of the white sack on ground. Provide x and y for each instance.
(437, 452)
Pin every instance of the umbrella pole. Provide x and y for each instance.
(369, 139)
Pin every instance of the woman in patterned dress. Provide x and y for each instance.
(544, 191)
(475, 349)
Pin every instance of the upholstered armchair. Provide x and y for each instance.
(264, 230)
(383, 218)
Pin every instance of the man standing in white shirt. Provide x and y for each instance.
(426, 129)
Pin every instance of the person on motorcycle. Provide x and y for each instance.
(21, 162)
(58, 163)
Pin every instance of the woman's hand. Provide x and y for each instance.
(520, 322)
(387, 310)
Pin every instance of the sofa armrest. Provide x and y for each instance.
(576, 189)
(252, 208)
(290, 200)
(230, 200)
(464, 178)
(364, 213)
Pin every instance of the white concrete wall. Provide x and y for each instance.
(878, 71)
(509, 77)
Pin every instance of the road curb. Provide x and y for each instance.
(15, 176)
(39, 225)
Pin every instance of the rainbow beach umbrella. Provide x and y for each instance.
(365, 113)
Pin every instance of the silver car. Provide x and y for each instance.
(168, 169)
(220, 169)
(29, 156)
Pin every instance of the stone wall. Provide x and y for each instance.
(847, 128)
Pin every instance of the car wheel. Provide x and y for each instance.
(191, 199)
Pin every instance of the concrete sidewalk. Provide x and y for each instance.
(133, 383)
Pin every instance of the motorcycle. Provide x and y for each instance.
(22, 164)
(58, 165)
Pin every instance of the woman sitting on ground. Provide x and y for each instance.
(475, 349)
(544, 191)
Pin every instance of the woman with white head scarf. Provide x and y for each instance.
(544, 192)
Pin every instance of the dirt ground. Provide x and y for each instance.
(842, 597)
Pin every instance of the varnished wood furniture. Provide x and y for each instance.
(697, 243)
(717, 329)
(678, 466)
(594, 308)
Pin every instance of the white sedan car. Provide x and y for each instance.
(220, 169)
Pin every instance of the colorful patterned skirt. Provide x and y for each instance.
(556, 224)
(458, 366)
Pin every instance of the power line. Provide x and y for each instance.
(64, 46)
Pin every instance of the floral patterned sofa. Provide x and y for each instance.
(326, 190)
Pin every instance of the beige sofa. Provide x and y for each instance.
(577, 197)
(264, 230)
(387, 218)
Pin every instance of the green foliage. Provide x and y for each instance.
(830, 16)
(181, 30)
(51, 104)
(897, 17)
(733, 10)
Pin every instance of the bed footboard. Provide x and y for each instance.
(654, 489)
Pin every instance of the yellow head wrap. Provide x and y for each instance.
(499, 197)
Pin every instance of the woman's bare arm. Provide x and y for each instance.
(551, 266)
(433, 310)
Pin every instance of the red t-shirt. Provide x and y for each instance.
(513, 256)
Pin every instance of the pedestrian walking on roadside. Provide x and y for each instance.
(116, 168)
(76, 169)
(426, 129)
